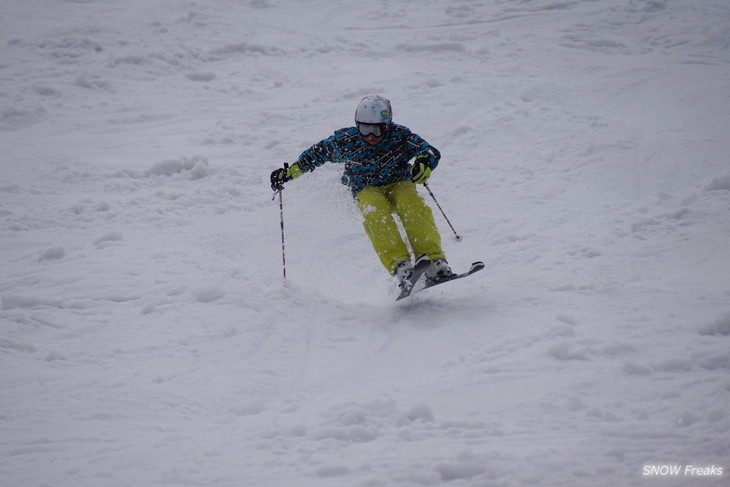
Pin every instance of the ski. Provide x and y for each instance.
(418, 271)
(475, 267)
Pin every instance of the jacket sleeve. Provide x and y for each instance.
(321, 152)
(420, 146)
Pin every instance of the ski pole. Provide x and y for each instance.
(281, 219)
(280, 189)
(458, 237)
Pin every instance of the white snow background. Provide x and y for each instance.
(147, 335)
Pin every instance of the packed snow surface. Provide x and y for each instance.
(148, 337)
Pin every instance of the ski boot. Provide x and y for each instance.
(439, 270)
(404, 271)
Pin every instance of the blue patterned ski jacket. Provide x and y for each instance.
(369, 165)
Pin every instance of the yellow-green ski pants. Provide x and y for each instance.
(378, 204)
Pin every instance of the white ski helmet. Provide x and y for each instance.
(374, 110)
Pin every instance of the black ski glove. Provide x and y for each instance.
(279, 177)
(284, 174)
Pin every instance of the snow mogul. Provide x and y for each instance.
(376, 154)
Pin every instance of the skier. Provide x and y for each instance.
(375, 154)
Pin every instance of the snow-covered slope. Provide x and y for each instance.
(147, 336)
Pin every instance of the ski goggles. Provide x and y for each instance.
(376, 129)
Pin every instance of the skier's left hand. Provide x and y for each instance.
(421, 169)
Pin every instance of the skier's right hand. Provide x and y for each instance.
(278, 178)
(284, 174)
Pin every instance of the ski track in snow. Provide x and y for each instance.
(148, 338)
